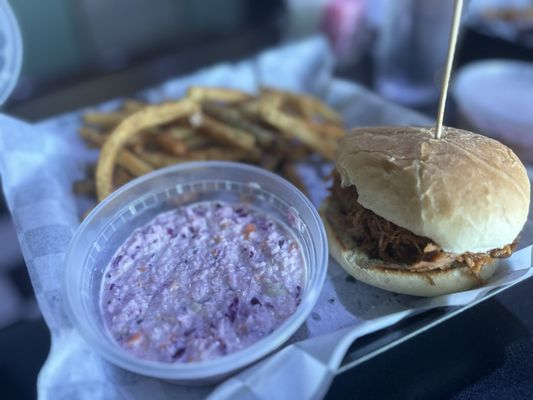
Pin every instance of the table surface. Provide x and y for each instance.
(485, 352)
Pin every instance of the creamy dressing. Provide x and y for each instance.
(201, 281)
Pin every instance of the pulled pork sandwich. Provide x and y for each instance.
(416, 215)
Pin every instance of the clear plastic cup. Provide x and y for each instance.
(136, 203)
(10, 51)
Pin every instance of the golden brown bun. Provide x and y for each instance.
(465, 192)
(379, 274)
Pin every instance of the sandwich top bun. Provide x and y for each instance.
(465, 192)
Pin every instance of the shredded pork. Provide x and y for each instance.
(383, 240)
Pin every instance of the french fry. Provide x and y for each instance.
(85, 187)
(133, 164)
(251, 109)
(130, 106)
(328, 131)
(138, 147)
(197, 142)
(92, 137)
(104, 119)
(309, 104)
(269, 100)
(160, 160)
(306, 110)
(200, 94)
(184, 135)
(234, 117)
(121, 177)
(292, 128)
(222, 132)
(170, 145)
(297, 110)
(147, 117)
(297, 153)
(178, 133)
(272, 161)
(113, 118)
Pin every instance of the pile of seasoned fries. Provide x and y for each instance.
(273, 129)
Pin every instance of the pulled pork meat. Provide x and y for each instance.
(383, 240)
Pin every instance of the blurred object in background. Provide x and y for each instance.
(344, 22)
(495, 98)
(71, 41)
(303, 18)
(508, 19)
(411, 50)
(499, 29)
(10, 51)
(345, 25)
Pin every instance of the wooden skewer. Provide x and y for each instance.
(457, 8)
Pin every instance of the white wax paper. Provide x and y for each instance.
(40, 162)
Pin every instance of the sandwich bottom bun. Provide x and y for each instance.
(376, 273)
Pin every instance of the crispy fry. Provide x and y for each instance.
(121, 177)
(296, 153)
(139, 147)
(113, 118)
(292, 128)
(130, 106)
(142, 139)
(170, 145)
(270, 100)
(104, 119)
(85, 187)
(297, 109)
(236, 118)
(133, 164)
(272, 161)
(92, 137)
(197, 142)
(128, 128)
(178, 133)
(309, 104)
(160, 160)
(225, 95)
(175, 140)
(222, 132)
(251, 109)
(328, 131)
(306, 110)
